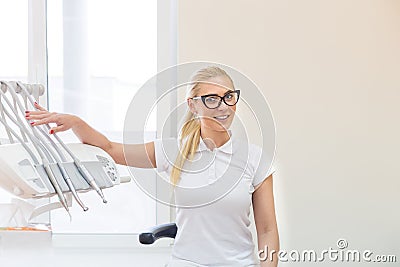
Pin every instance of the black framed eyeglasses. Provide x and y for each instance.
(213, 101)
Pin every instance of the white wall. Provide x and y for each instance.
(330, 71)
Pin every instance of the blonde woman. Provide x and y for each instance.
(212, 231)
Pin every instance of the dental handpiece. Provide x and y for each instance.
(89, 178)
(39, 147)
(64, 173)
(71, 186)
(82, 169)
(55, 184)
(46, 163)
(46, 166)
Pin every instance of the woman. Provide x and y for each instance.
(212, 231)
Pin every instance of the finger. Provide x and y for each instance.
(40, 122)
(38, 116)
(36, 112)
(46, 119)
(34, 116)
(39, 107)
(57, 129)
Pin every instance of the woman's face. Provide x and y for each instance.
(217, 119)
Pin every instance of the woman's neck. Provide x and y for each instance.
(213, 138)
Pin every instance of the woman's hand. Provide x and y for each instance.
(41, 116)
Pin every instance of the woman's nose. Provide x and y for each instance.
(223, 106)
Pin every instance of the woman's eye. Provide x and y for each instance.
(229, 96)
(211, 99)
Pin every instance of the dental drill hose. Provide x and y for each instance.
(64, 172)
(56, 186)
(82, 169)
(78, 164)
(48, 170)
(71, 186)
(36, 139)
(51, 177)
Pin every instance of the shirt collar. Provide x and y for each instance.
(226, 148)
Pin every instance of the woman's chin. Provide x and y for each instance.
(218, 127)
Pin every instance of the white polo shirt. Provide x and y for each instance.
(213, 199)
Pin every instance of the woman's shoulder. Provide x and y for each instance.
(165, 146)
(246, 146)
(165, 150)
(166, 140)
(253, 153)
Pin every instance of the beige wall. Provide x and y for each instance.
(331, 73)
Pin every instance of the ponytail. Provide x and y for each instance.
(191, 134)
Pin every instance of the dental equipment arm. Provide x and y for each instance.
(33, 165)
(49, 154)
(46, 165)
(82, 169)
(56, 155)
(5, 124)
(10, 137)
(39, 147)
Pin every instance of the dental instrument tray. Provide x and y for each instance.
(25, 179)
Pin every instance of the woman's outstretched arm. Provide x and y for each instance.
(136, 155)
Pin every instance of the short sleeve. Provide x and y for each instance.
(165, 153)
(263, 166)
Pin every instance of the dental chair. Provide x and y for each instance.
(150, 235)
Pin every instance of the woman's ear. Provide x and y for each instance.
(191, 105)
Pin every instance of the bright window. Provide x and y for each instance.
(99, 54)
(13, 52)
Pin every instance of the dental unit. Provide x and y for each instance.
(46, 153)
(33, 165)
(82, 169)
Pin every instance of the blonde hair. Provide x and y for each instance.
(190, 131)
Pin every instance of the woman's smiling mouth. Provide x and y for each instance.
(221, 118)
